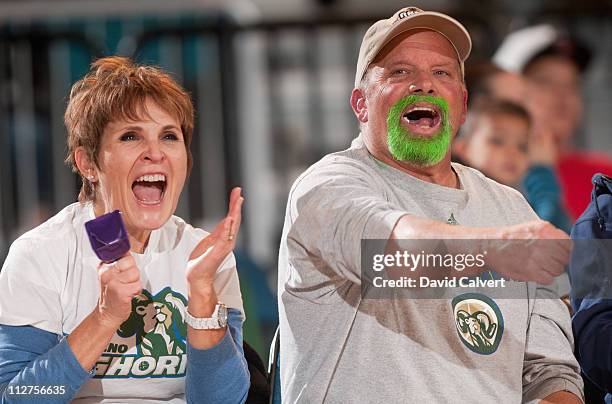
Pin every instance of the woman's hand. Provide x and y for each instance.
(119, 283)
(210, 253)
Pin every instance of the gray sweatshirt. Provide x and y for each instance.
(338, 347)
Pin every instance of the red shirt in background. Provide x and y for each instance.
(575, 171)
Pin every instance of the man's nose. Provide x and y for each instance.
(422, 84)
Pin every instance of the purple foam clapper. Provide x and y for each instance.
(108, 237)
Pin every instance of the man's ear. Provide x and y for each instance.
(464, 106)
(86, 167)
(459, 147)
(358, 103)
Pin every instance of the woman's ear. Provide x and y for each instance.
(86, 167)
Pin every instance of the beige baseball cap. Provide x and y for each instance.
(383, 31)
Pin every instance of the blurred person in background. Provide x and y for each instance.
(122, 332)
(396, 182)
(554, 62)
(539, 184)
(484, 79)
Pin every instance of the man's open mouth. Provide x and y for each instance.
(149, 189)
(422, 117)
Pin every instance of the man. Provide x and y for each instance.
(396, 182)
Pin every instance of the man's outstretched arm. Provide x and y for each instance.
(541, 263)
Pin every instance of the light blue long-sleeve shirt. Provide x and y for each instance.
(33, 357)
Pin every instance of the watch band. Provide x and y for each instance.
(217, 321)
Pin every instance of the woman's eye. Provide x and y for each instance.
(126, 137)
(400, 71)
(171, 136)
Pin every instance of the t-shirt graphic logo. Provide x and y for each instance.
(158, 322)
(479, 322)
(452, 220)
(155, 339)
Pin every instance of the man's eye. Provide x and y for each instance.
(126, 137)
(400, 71)
(441, 73)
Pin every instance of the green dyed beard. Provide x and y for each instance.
(407, 146)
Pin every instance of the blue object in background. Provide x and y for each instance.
(590, 273)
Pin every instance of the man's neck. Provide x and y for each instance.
(439, 174)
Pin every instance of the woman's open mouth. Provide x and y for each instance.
(149, 189)
(422, 118)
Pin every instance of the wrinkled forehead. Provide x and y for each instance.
(422, 39)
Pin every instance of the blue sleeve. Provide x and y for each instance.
(593, 329)
(543, 193)
(33, 357)
(219, 374)
(590, 273)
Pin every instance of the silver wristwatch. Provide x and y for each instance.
(217, 321)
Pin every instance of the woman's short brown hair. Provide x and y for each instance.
(117, 89)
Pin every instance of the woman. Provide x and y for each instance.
(75, 328)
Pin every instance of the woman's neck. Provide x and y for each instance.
(139, 238)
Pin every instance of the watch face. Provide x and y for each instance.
(222, 315)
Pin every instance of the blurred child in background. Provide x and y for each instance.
(494, 140)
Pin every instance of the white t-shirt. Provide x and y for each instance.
(50, 281)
